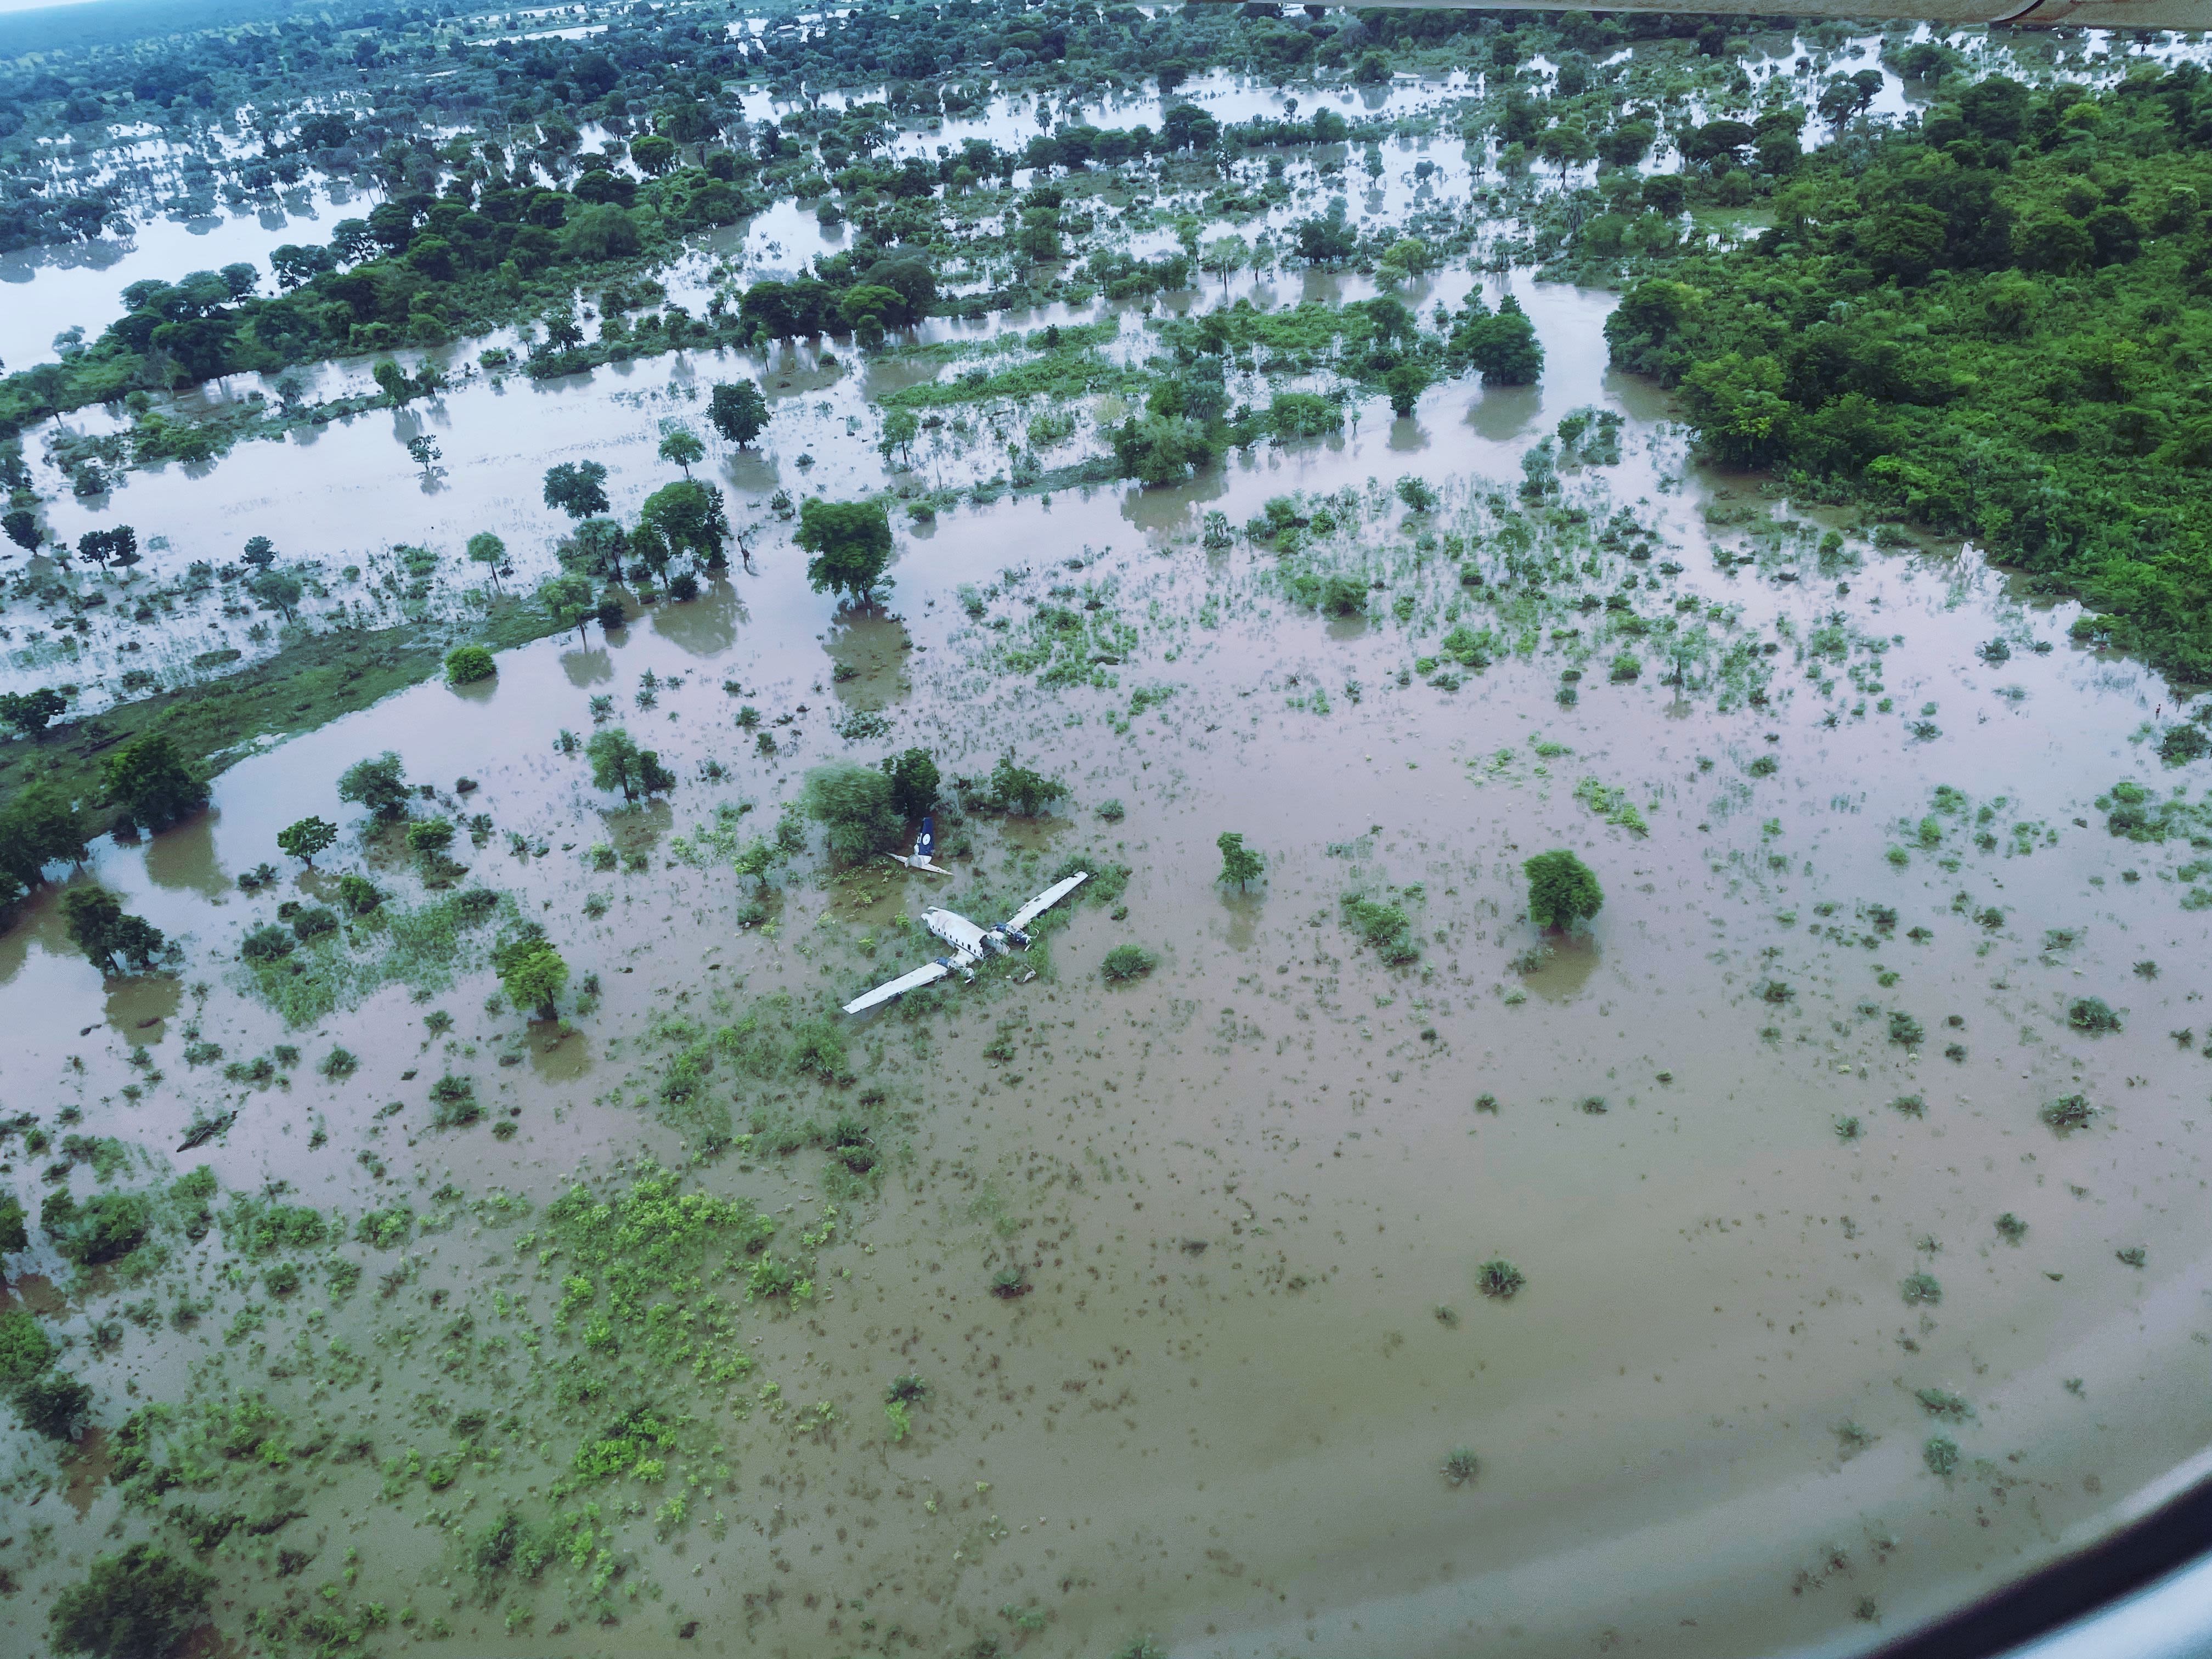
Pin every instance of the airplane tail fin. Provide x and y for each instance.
(926, 842)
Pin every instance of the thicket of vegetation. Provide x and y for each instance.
(1993, 324)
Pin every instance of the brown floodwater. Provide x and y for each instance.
(1253, 1190)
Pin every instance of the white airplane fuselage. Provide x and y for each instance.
(968, 942)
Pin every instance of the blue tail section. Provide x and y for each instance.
(926, 842)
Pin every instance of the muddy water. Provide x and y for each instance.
(1245, 1186)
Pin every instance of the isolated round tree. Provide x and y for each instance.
(1562, 889)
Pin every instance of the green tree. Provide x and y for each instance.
(577, 489)
(277, 590)
(305, 838)
(913, 782)
(618, 763)
(22, 528)
(379, 785)
(101, 929)
(1223, 257)
(738, 411)
(901, 428)
(856, 804)
(1502, 345)
(31, 712)
(141, 1604)
(533, 977)
(13, 1238)
(151, 784)
(422, 450)
(1405, 383)
(1239, 863)
(689, 517)
(398, 386)
(25, 1348)
(851, 543)
(54, 1404)
(104, 547)
(567, 600)
(1562, 889)
(682, 446)
(1022, 791)
(489, 551)
(260, 552)
(39, 827)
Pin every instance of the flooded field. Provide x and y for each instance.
(1317, 1257)
(1244, 1390)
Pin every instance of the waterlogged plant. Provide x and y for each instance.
(1562, 891)
(1383, 925)
(2067, 1113)
(1125, 963)
(2091, 1014)
(1921, 1289)
(1459, 1465)
(1499, 1279)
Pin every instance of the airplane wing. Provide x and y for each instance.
(1044, 900)
(927, 974)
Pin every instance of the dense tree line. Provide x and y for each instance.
(1992, 322)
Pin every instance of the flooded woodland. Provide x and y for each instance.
(1806, 1240)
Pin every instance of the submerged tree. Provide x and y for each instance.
(141, 1604)
(305, 838)
(851, 542)
(577, 489)
(378, 784)
(1239, 863)
(151, 784)
(682, 446)
(913, 782)
(531, 972)
(618, 763)
(1562, 889)
(102, 930)
(857, 804)
(738, 411)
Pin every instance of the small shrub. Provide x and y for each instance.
(339, 1064)
(2011, 1228)
(2067, 1113)
(1904, 1030)
(2091, 1014)
(2134, 1256)
(1499, 1279)
(1940, 1454)
(467, 664)
(1459, 1465)
(265, 945)
(1922, 1290)
(1008, 1282)
(1128, 962)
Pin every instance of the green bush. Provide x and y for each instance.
(25, 1348)
(1128, 962)
(467, 664)
(2091, 1014)
(141, 1604)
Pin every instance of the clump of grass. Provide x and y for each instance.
(1125, 963)
(1904, 1030)
(2067, 1113)
(455, 1098)
(1383, 925)
(1941, 1454)
(2011, 1228)
(1848, 1129)
(1593, 1104)
(1851, 1439)
(1911, 1105)
(1499, 1279)
(2134, 1256)
(1112, 811)
(1486, 1103)
(2091, 1014)
(1008, 1282)
(338, 1064)
(1459, 1465)
(1942, 1404)
(1922, 1290)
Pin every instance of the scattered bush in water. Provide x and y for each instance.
(103, 1228)
(1943, 1404)
(1383, 925)
(1459, 1465)
(1940, 1454)
(141, 1604)
(455, 1099)
(1904, 1030)
(2011, 1228)
(1128, 962)
(1922, 1289)
(467, 664)
(2069, 1113)
(1562, 891)
(1499, 1279)
(2091, 1014)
